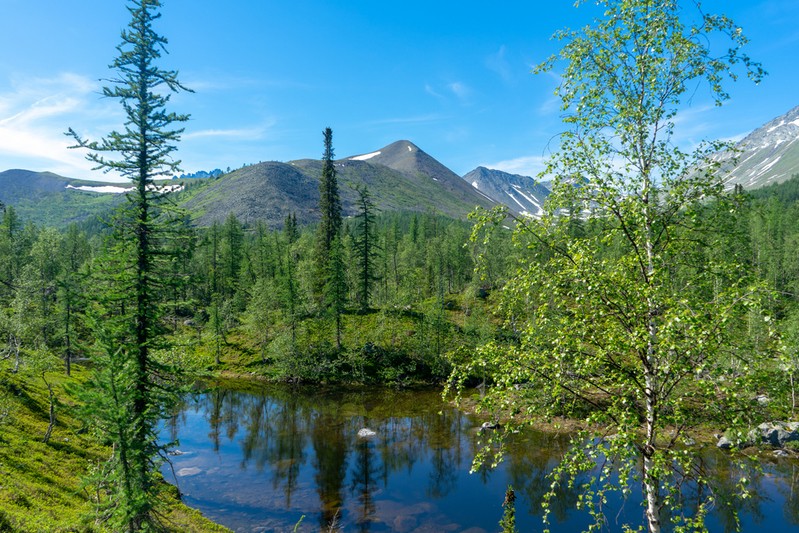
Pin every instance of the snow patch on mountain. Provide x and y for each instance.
(770, 154)
(112, 189)
(522, 194)
(105, 189)
(366, 156)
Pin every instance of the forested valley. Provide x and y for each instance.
(245, 301)
(648, 305)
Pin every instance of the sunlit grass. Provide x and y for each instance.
(41, 484)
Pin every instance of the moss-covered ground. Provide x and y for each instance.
(41, 484)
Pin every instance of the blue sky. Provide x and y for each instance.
(452, 77)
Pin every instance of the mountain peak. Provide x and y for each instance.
(395, 150)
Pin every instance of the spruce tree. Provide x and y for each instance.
(130, 390)
(73, 252)
(365, 247)
(331, 284)
(329, 201)
(336, 286)
(330, 213)
(289, 284)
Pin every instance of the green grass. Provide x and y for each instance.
(41, 487)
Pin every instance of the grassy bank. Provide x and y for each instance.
(396, 346)
(41, 484)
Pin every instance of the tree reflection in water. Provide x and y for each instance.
(261, 459)
(330, 446)
(366, 471)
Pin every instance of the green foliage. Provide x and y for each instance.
(130, 391)
(329, 200)
(632, 319)
(786, 192)
(793, 445)
(42, 489)
(508, 522)
(365, 247)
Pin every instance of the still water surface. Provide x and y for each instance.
(262, 460)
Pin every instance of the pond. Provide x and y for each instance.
(380, 460)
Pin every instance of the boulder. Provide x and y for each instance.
(775, 434)
(724, 443)
(366, 433)
(405, 523)
(489, 426)
(778, 433)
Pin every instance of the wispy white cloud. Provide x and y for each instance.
(417, 119)
(431, 91)
(254, 133)
(458, 89)
(551, 103)
(530, 165)
(224, 82)
(499, 64)
(734, 138)
(697, 124)
(35, 113)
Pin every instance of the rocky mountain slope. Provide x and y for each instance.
(522, 194)
(400, 176)
(768, 155)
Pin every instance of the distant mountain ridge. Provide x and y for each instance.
(770, 154)
(399, 176)
(522, 194)
(47, 198)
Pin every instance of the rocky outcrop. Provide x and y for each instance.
(775, 434)
(778, 433)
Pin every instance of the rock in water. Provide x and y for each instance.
(366, 433)
(488, 426)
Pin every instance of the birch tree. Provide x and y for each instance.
(632, 322)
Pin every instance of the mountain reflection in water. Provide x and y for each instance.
(262, 460)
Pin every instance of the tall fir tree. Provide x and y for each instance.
(365, 247)
(130, 390)
(336, 287)
(290, 289)
(330, 213)
(329, 201)
(74, 253)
